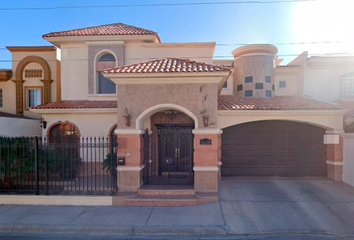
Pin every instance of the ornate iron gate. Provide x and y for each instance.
(169, 155)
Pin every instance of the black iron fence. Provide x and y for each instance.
(86, 166)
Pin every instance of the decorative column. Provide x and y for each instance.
(334, 154)
(19, 96)
(47, 91)
(207, 153)
(131, 147)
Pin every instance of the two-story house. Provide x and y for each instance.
(247, 116)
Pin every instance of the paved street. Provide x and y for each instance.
(247, 206)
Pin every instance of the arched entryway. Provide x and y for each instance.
(66, 135)
(169, 148)
(273, 148)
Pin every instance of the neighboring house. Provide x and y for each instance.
(248, 116)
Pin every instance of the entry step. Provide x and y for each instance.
(168, 200)
(166, 192)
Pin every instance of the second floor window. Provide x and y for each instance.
(34, 97)
(346, 86)
(104, 85)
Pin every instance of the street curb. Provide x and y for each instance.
(117, 230)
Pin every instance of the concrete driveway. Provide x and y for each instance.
(260, 205)
(315, 208)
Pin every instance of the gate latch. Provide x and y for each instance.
(168, 161)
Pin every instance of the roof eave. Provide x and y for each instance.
(309, 112)
(74, 110)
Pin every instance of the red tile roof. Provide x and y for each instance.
(5, 70)
(168, 65)
(78, 104)
(229, 102)
(104, 30)
(348, 105)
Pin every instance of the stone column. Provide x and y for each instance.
(47, 91)
(334, 154)
(130, 146)
(19, 96)
(206, 159)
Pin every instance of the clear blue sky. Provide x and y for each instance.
(322, 20)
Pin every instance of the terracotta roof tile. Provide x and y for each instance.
(5, 70)
(348, 105)
(104, 30)
(168, 65)
(289, 66)
(229, 102)
(78, 104)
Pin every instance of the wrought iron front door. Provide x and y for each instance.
(171, 157)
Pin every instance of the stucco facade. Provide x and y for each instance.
(180, 84)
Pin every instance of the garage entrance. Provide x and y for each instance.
(273, 148)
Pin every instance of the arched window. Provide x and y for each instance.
(64, 133)
(104, 85)
(346, 86)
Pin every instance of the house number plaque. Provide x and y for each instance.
(205, 141)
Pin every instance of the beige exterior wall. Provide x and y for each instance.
(75, 63)
(9, 90)
(9, 97)
(331, 120)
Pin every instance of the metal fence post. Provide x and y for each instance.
(36, 165)
(45, 154)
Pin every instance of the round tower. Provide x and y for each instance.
(254, 67)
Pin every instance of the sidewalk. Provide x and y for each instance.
(246, 208)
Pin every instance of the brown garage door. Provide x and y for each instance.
(273, 148)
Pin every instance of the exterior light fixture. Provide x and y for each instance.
(43, 123)
(206, 120)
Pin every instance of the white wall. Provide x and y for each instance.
(322, 78)
(18, 127)
(89, 124)
(348, 158)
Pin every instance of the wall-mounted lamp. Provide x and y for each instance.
(43, 123)
(206, 120)
(127, 117)
(171, 114)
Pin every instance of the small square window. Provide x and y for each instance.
(259, 85)
(1, 98)
(282, 84)
(225, 85)
(268, 79)
(268, 93)
(249, 93)
(239, 87)
(248, 79)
